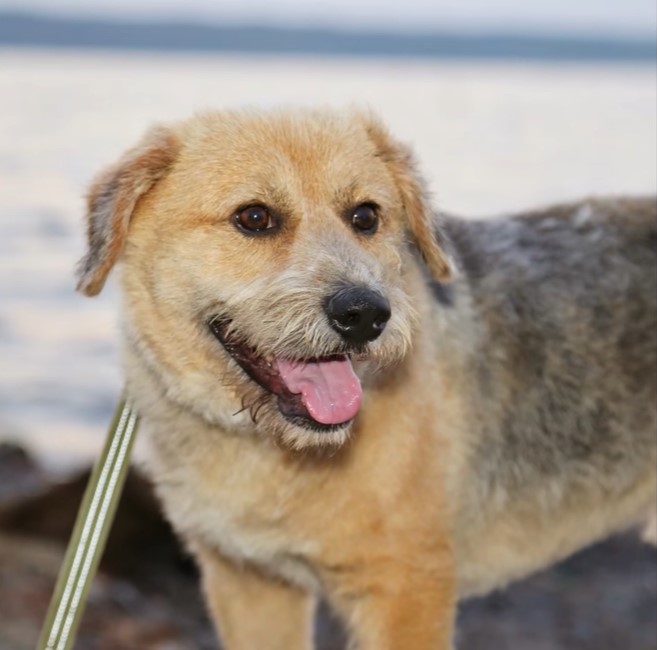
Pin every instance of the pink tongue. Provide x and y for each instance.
(329, 390)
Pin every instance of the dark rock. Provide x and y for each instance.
(20, 473)
(139, 545)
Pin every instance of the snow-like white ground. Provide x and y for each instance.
(491, 138)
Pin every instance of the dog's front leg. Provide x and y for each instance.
(254, 612)
(401, 615)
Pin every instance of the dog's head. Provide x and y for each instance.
(265, 264)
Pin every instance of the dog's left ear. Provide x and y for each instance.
(111, 202)
(421, 224)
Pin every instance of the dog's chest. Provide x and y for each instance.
(249, 519)
(255, 538)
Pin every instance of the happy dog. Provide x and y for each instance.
(345, 395)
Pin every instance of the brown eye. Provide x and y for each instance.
(255, 219)
(365, 219)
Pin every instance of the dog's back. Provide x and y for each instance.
(563, 371)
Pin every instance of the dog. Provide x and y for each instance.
(347, 395)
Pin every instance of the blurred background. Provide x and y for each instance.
(508, 103)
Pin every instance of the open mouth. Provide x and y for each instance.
(320, 393)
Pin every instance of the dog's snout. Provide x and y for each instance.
(359, 315)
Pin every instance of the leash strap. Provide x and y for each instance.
(92, 526)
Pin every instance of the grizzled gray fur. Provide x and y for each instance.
(563, 360)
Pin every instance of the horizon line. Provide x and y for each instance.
(41, 29)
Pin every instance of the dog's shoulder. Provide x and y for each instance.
(558, 240)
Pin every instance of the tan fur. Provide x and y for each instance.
(376, 516)
(112, 200)
(283, 614)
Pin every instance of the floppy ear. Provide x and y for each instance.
(111, 202)
(419, 217)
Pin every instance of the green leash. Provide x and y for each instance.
(89, 536)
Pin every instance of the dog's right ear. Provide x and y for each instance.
(111, 202)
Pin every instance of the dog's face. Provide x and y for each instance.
(265, 262)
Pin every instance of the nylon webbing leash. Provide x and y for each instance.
(89, 536)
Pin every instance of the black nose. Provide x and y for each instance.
(359, 315)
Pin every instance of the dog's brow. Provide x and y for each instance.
(275, 197)
(345, 196)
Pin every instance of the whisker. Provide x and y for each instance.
(257, 407)
(241, 410)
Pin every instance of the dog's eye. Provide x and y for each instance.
(255, 219)
(365, 219)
